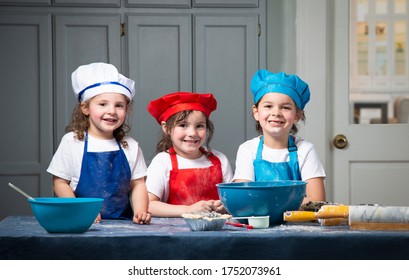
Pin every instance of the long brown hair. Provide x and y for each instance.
(166, 143)
(79, 124)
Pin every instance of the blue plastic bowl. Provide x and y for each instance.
(271, 198)
(66, 215)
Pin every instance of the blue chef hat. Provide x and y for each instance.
(264, 82)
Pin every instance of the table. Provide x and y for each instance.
(21, 237)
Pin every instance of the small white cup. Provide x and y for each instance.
(259, 222)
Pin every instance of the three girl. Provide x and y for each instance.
(96, 157)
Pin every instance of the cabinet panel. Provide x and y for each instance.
(26, 145)
(25, 2)
(81, 39)
(92, 3)
(225, 3)
(159, 3)
(226, 58)
(160, 62)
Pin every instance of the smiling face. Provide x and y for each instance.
(188, 135)
(106, 112)
(276, 113)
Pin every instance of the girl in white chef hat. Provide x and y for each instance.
(96, 158)
(278, 154)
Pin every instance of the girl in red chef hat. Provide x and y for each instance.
(182, 177)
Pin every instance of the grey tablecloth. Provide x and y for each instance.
(21, 237)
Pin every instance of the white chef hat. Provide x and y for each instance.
(96, 78)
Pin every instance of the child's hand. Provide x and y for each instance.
(142, 218)
(218, 207)
(202, 206)
(98, 218)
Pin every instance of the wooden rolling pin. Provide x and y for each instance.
(360, 217)
(325, 212)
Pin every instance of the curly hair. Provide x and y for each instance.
(166, 143)
(79, 124)
(294, 129)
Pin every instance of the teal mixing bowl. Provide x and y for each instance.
(270, 198)
(66, 215)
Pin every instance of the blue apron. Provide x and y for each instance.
(106, 175)
(271, 171)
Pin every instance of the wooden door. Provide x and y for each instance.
(374, 166)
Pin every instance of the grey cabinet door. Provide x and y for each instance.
(89, 3)
(160, 62)
(226, 57)
(26, 98)
(220, 58)
(159, 3)
(81, 39)
(25, 2)
(225, 3)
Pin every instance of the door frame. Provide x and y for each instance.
(314, 51)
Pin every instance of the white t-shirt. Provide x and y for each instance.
(67, 160)
(157, 180)
(308, 160)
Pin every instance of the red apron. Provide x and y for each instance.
(188, 186)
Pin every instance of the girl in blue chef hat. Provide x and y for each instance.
(96, 157)
(278, 154)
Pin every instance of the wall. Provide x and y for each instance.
(281, 36)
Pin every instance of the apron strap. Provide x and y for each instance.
(173, 158)
(86, 142)
(260, 148)
(292, 149)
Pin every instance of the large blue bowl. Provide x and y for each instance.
(271, 198)
(66, 215)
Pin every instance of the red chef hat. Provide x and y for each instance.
(166, 106)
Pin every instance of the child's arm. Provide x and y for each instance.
(162, 209)
(140, 201)
(62, 187)
(240, 180)
(315, 190)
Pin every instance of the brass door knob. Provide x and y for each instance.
(340, 141)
